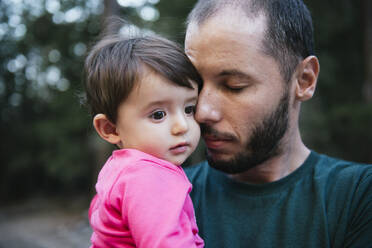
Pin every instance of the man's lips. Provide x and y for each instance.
(215, 139)
(180, 148)
(214, 142)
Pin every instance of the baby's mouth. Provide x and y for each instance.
(180, 148)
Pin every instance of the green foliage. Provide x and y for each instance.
(43, 127)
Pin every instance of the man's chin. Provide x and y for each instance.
(229, 164)
(237, 163)
(219, 156)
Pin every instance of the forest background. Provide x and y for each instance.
(48, 146)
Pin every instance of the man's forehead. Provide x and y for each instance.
(229, 19)
(227, 23)
(225, 41)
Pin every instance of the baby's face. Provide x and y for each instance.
(158, 118)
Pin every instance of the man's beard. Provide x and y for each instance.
(263, 143)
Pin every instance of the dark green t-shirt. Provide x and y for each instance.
(324, 203)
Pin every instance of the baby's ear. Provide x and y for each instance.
(106, 129)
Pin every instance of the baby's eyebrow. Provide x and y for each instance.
(165, 102)
(191, 99)
(160, 102)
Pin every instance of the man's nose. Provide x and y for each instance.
(179, 125)
(207, 109)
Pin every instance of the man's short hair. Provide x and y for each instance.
(289, 33)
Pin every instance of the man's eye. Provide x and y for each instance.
(158, 115)
(190, 109)
(234, 89)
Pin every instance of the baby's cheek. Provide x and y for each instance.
(154, 150)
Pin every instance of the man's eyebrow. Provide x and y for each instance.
(233, 72)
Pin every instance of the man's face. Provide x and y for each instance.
(243, 105)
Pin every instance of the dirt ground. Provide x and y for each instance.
(45, 223)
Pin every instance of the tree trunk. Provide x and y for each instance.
(101, 152)
(112, 9)
(102, 149)
(367, 14)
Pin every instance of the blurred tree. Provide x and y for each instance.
(367, 87)
(367, 21)
(42, 126)
(338, 121)
(111, 8)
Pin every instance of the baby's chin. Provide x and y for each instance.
(177, 161)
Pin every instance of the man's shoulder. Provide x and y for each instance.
(197, 172)
(343, 172)
(348, 197)
(333, 164)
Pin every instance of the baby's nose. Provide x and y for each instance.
(179, 126)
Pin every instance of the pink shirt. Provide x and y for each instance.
(142, 201)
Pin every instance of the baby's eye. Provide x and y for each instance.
(190, 109)
(158, 115)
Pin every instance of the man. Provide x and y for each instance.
(263, 187)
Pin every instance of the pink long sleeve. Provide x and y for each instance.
(146, 204)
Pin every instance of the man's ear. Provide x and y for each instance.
(106, 129)
(307, 77)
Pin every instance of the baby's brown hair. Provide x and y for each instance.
(115, 65)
